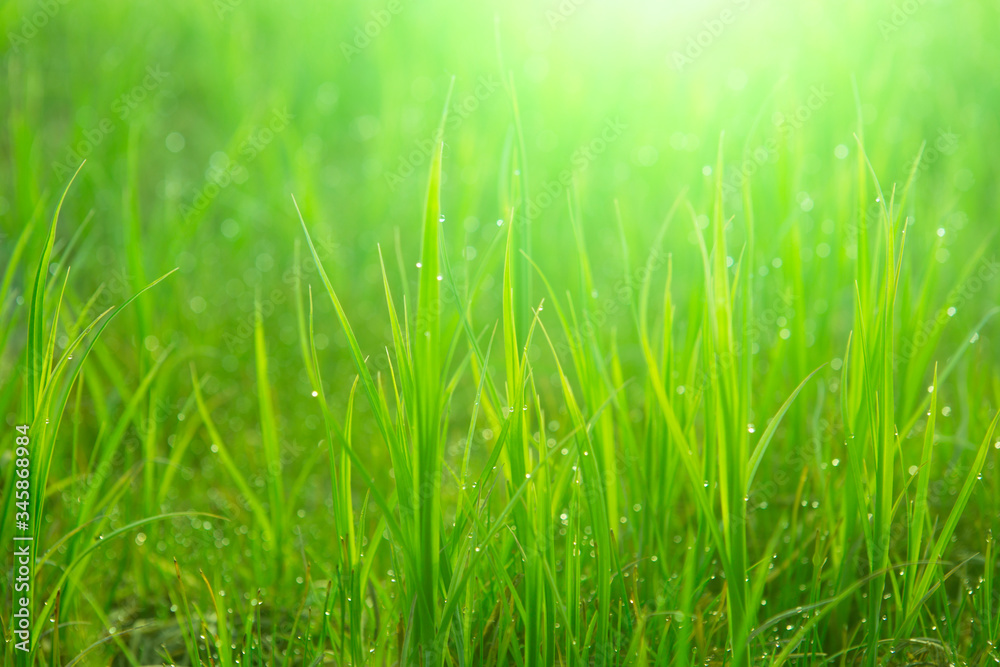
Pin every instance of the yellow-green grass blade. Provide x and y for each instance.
(34, 360)
(772, 426)
(920, 501)
(269, 436)
(220, 448)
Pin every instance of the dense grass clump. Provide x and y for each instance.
(452, 335)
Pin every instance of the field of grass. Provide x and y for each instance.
(568, 332)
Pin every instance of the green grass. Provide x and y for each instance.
(577, 334)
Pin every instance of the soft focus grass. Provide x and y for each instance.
(594, 333)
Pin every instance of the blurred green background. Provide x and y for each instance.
(199, 120)
(165, 100)
(175, 105)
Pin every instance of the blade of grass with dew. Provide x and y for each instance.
(923, 584)
(269, 438)
(920, 507)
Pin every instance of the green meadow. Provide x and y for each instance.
(556, 332)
